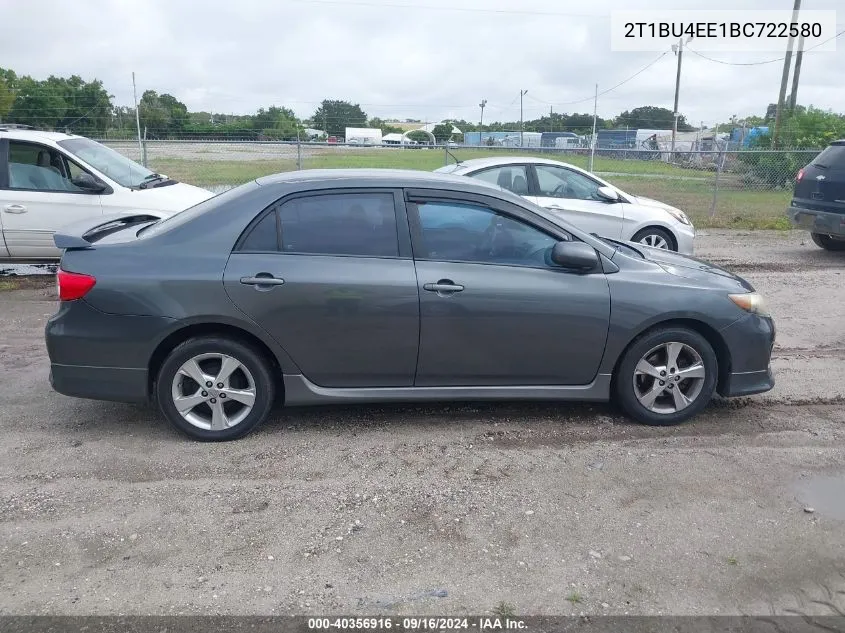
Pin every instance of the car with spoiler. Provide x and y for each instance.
(349, 286)
(50, 179)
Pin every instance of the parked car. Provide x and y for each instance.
(337, 286)
(584, 199)
(818, 200)
(49, 179)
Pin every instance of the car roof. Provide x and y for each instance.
(21, 134)
(494, 161)
(382, 178)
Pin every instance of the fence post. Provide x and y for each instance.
(298, 151)
(446, 153)
(144, 148)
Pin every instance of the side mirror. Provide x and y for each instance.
(575, 256)
(89, 183)
(608, 193)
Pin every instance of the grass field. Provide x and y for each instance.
(687, 189)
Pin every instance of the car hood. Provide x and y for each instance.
(691, 268)
(170, 198)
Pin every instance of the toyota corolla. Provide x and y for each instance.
(341, 286)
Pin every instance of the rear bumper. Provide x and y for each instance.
(817, 221)
(119, 384)
(101, 356)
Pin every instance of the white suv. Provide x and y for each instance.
(49, 180)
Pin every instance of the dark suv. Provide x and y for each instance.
(818, 203)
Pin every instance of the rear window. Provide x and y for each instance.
(833, 156)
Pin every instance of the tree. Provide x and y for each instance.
(7, 92)
(385, 127)
(335, 116)
(442, 132)
(277, 123)
(651, 118)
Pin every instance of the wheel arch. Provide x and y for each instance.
(710, 334)
(193, 330)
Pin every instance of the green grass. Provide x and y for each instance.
(688, 189)
(574, 597)
(504, 610)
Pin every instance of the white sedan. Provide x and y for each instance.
(585, 200)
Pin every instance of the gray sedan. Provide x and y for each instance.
(339, 286)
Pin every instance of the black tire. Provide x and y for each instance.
(623, 380)
(656, 231)
(258, 367)
(827, 242)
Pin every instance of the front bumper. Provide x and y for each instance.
(685, 235)
(750, 341)
(817, 221)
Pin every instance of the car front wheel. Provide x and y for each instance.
(656, 238)
(827, 242)
(215, 389)
(666, 376)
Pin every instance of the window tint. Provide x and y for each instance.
(833, 156)
(38, 167)
(557, 182)
(362, 224)
(470, 233)
(511, 177)
(263, 236)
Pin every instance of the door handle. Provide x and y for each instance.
(14, 208)
(444, 286)
(262, 279)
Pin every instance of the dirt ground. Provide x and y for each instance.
(549, 509)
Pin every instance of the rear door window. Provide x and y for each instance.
(832, 157)
(356, 224)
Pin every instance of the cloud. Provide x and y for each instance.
(395, 57)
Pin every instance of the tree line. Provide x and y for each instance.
(87, 108)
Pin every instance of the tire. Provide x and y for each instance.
(250, 380)
(827, 242)
(655, 235)
(633, 389)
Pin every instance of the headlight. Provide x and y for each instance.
(751, 302)
(680, 216)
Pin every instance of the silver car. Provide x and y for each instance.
(585, 200)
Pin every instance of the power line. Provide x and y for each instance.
(604, 92)
(768, 61)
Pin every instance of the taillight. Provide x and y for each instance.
(800, 175)
(73, 286)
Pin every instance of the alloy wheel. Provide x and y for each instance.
(669, 378)
(213, 392)
(655, 240)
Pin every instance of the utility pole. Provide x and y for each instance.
(593, 143)
(481, 123)
(784, 78)
(137, 115)
(679, 51)
(522, 93)
(799, 56)
(551, 120)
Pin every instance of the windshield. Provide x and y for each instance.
(178, 219)
(107, 161)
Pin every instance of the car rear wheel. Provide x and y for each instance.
(666, 376)
(827, 242)
(215, 389)
(655, 237)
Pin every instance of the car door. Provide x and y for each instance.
(37, 197)
(330, 276)
(494, 310)
(574, 196)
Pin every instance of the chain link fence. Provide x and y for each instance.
(739, 189)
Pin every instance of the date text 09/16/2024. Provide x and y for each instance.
(417, 624)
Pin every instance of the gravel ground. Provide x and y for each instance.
(440, 509)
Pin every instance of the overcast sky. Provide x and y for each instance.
(426, 59)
